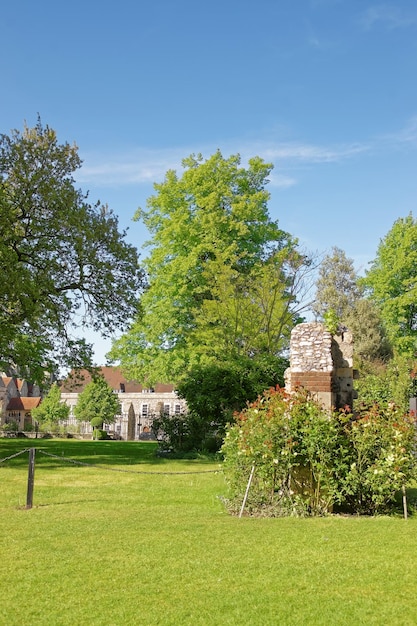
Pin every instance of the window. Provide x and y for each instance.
(177, 409)
(166, 409)
(144, 410)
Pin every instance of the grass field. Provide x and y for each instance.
(111, 548)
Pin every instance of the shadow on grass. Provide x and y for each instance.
(57, 503)
(114, 453)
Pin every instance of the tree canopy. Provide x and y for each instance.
(223, 277)
(340, 300)
(337, 285)
(391, 283)
(97, 403)
(51, 410)
(65, 264)
(365, 322)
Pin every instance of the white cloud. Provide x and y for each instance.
(281, 180)
(409, 133)
(405, 136)
(133, 168)
(388, 15)
(307, 153)
(148, 166)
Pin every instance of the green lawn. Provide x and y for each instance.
(109, 548)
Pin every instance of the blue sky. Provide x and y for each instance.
(325, 89)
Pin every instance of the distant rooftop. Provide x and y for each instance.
(77, 380)
(23, 404)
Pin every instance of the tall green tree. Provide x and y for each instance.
(391, 283)
(64, 262)
(215, 391)
(337, 285)
(97, 404)
(250, 314)
(51, 410)
(370, 338)
(215, 257)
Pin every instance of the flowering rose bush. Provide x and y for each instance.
(291, 441)
(380, 446)
(307, 461)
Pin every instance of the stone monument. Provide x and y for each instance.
(322, 363)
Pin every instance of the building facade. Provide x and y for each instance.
(17, 399)
(138, 404)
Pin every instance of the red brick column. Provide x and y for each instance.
(313, 381)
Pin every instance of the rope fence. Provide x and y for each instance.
(126, 471)
(31, 469)
(12, 456)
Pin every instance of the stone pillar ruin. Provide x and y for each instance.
(322, 364)
(131, 423)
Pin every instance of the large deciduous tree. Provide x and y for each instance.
(97, 404)
(223, 277)
(340, 300)
(64, 262)
(392, 284)
(337, 285)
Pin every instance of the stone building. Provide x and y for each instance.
(322, 363)
(17, 399)
(138, 404)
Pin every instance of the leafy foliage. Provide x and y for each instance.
(337, 285)
(181, 434)
(290, 440)
(384, 383)
(51, 410)
(340, 302)
(223, 278)
(308, 461)
(64, 261)
(249, 315)
(379, 445)
(365, 323)
(97, 404)
(215, 391)
(331, 321)
(392, 284)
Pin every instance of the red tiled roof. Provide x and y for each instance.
(76, 381)
(23, 404)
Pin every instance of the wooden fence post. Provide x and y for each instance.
(31, 478)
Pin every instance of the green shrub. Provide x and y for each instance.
(307, 460)
(177, 433)
(96, 422)
(384, 383)
(290, 439)
(379, 458)
(54, 428)
(98, 433)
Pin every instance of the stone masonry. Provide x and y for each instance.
(321, 363)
